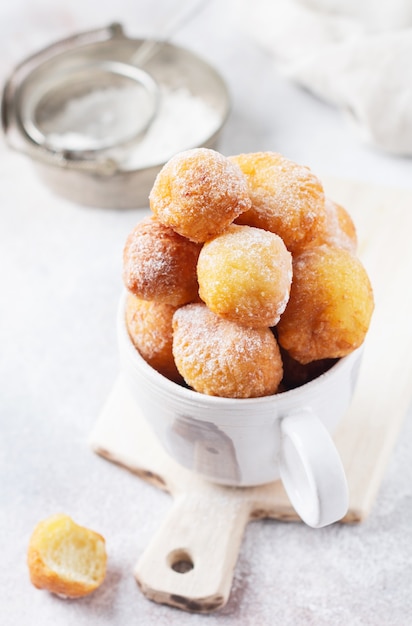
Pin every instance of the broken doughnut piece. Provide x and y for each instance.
(65, 558)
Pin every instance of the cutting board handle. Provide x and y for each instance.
(190, 561)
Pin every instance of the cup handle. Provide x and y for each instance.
(311, 470)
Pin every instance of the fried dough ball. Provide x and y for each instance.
(245, 275)
(287, 198)
(296, 374)
(65, 558)
(340, 230)
(159, 264)
(150, 328)
(199, 193)
(221, 358)
(346, 224)
(330, 306)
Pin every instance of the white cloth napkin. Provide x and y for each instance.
(356, 54)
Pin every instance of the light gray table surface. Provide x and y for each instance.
(60, 277)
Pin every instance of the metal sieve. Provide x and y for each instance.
(89, 108)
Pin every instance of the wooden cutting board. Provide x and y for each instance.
(190, 561)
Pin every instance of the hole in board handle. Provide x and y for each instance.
(180, 561)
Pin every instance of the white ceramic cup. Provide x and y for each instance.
(245, 442)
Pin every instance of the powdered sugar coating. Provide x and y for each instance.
(199, 193)
(287, 198)
(221, 358)
(245, 276)
(340, 230)
(330, 306)
(159, 264)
